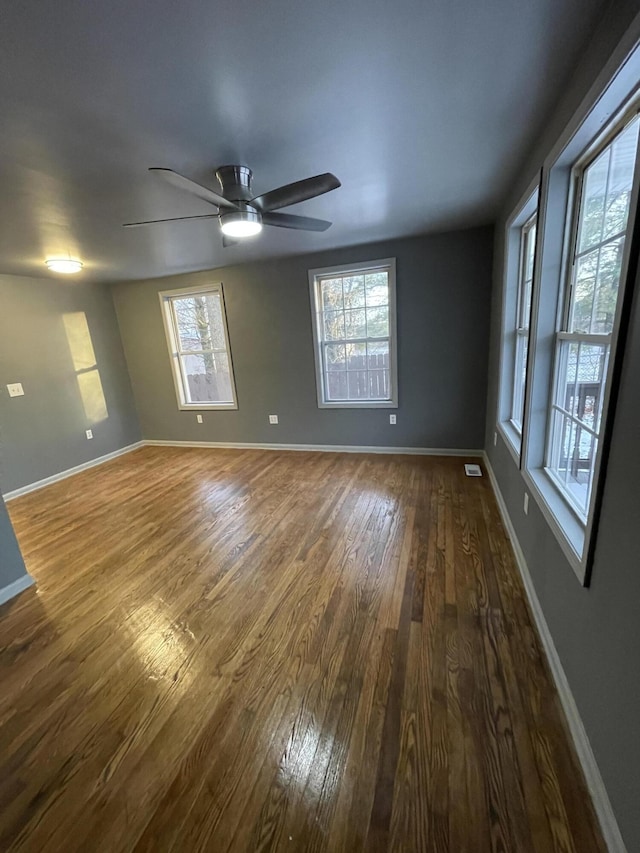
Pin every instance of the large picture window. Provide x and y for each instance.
(604, 184)
(196, 327)
(354, 334)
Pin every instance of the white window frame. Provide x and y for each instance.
(522, 322)
(563, 335)
(315, 275)
(526, 212)
(167, 298)
(610, 97)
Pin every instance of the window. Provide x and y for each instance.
(523, 315)
(520, 245)
(196, 327)
(604, 184)
(354, 334)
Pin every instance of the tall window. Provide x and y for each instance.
(604, 185)
(196, 327)
(523, 315)
(520, 247)
(354, 334)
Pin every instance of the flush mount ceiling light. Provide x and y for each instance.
(242, 223)
(68, 266)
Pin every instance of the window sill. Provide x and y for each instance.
(365, 404)
(562, 520)
(512, 439)
(207, 407)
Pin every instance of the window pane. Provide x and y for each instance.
(378, 355)
(331, 293)
(379, 387)
(377, 288)
(199, 322)
(581, 376)
(590, 373)
(358, 385)
(606, 295)
(356, 356)
(573, 459)
(336, 385)
(620, 180)
(378, 322)
(333, 325)
(208, 378)
(353, 289)
(593, 197)
(526, 286)
(584, 290)
(335, 357)
(597, 277)
(520, 379)
(355, 324)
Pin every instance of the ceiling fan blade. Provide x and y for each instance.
(296, 192)
(300, 223)
(190, 186)
(173, 219)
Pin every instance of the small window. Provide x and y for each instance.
(196, 327)
(354, 335)
(523, 315)
(604, 184)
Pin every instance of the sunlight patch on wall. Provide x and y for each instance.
(84, 363)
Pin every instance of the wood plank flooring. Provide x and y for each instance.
(251, 650)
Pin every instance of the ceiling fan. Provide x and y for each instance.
(242, 214)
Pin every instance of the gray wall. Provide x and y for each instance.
(443, 294)
(596, 631)
(43, 432)
(11, 563)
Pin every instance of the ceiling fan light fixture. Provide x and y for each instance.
(241, 223)
(67, 266)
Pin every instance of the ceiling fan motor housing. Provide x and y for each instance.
(235, 182)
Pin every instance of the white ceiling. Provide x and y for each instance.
(422, 109)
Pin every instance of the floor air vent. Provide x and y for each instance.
(473, 470)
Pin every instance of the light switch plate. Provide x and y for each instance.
(526, 503)
(15, 389)
(392, 419)
(89, 433)
(273, 419)
(199, 418)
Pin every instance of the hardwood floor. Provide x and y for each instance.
(253, 650)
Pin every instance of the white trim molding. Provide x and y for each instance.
(69, 472)
(15, 588)
(602, 805)
(320, 448)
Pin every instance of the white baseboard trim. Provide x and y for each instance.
(62, 475)
(11, 590)
(320, 448)
(602, 805)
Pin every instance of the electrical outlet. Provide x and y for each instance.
(15, 389)
(495, 438)
(89, 433)
(273, 419)
(526, 503)
(392, 419)
(199, 418)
